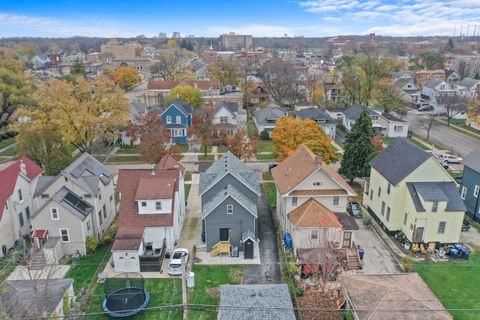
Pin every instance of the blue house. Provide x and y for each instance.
(470, 187)
(178, 118)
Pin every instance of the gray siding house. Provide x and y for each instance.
(470, 187)
(327, 123)
(229, 192)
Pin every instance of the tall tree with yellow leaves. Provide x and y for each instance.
(189, 94)
(290, 132)
(126, 77)
(82, 111)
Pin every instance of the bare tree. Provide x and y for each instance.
(428, 122)
(170, 64)
(454, 105)
(246, 69)
(281, 81)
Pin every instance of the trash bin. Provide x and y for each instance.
(465, 253)
(190, 280)
(361, 253)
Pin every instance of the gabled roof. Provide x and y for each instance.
(232, 107)
(315, 115)
(264, 115)
(69, 201)
(9, 175)
(313, 214)
(154, 188)
(181, 105)
(230, 192)
(229, 164)
(432, 84)
(391, 117)
(468, 82)
(169, 163)
(353, 113)
(169, 85)
(299, 166)
(436, 191)
(472, 160)
(393, 296)
(399, 160)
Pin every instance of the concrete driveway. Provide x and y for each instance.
(378, 258)
(471, 237)
(269, 269)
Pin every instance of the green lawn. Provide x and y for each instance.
(252, 130)
(458, 122)
(125, 158)
(388, 141)
(455, 173)
(187, 191)
(265, 146)
(163, 292)
(271, 191)
(183, 147)
(188, 176)
(222, 149)
(85, 269)
(202, 149)
(128, 150)
(209, 157)
(267, 175)
(455, 284)
(7, 142)
(10, 152)
(266, 156)
(207, 282)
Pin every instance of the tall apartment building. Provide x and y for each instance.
(121, 50)
(235, 42)
(422, 76)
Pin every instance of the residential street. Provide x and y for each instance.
(455, 141)
(269, 269)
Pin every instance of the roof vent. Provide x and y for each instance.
(153, 171)
(318, 160)
(23, 167)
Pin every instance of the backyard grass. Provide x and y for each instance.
(455, 284)
(125, 158)
(7, 142)
(267, 175)
(202, 149)
(388, 141)
(271, 191)
(463, 124)
(85, 269)
(187, 191)
(163, 292)
(252, 130)
(182, 147)
(188, 176)
(455, 173)
(10, 152)
(265, 146)
(128, 150)
(222, 149)
(266, 156)
(202, 157)
(207, 291)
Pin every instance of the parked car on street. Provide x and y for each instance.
(354, 209)
(450, 158)
(175, 265)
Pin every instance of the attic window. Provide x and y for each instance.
(44, 196)
(144, 204)
(318, 183)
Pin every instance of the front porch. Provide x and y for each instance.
(205, 258)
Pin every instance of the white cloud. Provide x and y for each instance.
(59, 27)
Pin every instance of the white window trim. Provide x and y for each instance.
(230, 208)
(159, 206)
(314, 231)
(476, 191)
(61, 236)
(463, 194)
(168, 119)
(178, 119)
(318, 183)
(51, 214)
(296, 202)
(337, 202)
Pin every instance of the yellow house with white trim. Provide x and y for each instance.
(409, 191)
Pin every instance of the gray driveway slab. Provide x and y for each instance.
(269, 269)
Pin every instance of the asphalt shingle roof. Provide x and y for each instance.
(399, 160)
(230, 106)
(255, 302)
(472, 160)
(468, 82)
(432, 84)
(314, 114)
(436, 191)
(354, 112)
(230, 191)
(271, 113)
(182, 106)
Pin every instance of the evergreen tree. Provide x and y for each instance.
(358, 149)
(78, 68)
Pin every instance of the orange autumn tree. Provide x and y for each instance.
(126, 77)
(290, 132)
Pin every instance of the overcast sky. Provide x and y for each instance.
(125, 18)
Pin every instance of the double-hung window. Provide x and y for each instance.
(294, 201)
(64, 235)
(54, 214)
(158, 205)
(169, 119)
(178, 119)
(475, 191)
(463, 194)
(229, 208)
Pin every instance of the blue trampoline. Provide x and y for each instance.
(125, 295)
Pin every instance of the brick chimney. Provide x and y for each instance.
(23, 167)
(318, 160)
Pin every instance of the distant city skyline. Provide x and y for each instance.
(277, 18)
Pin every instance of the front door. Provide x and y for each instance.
(224, 234)
(347, 239)
(418, 235)
(248, 249)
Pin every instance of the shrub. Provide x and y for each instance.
(92, 244)
(299, 291)
(109, 234)
(264, 135)
(407, 263)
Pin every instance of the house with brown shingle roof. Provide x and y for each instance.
(151, 215)
(311, 201)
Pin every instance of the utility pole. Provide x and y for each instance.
(184, 291)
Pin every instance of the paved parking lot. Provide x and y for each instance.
(378, 258)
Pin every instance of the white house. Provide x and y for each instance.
(392, 126)
(351, 115)
(437, 88)
(469, 89)
(152, 211)
(227, 117)
(17, 185)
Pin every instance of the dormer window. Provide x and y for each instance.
(318, 183)
(435, 206)
(158, 205)
(144, 203)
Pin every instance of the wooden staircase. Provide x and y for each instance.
(221, 247)
(353, 259)
(37, 261)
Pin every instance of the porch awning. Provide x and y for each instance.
(40, 233)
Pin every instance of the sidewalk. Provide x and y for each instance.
(456, 127)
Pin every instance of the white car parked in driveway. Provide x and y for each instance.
(450, 158)
(175, 265)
